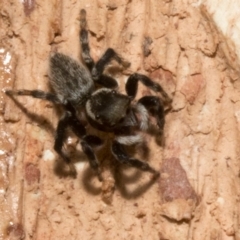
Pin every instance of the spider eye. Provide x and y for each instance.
(113, 92)
(97, 116)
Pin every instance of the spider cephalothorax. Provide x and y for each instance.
(106, 109)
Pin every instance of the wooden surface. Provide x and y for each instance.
(175, 43)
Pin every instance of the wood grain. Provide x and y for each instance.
(177, 44)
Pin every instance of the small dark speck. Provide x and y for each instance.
(146, 46)
(112, 6)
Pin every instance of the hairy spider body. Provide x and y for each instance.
(106, 109)
(71, 81)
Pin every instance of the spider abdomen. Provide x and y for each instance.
(70, 80)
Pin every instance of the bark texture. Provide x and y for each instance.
(175, 43)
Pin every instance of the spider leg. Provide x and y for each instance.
(155, 106)
(34, 93)
(96, 70)
(93, 140)
(60, 137)
(106, 58)
(121, 155)
(87, 149)
(84, 41)
(107, 81)
(87, 142)
(132, 85)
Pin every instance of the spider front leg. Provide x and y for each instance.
(155, 106)
(147, 104)
(121, 155)
(60, 137)
(87, 141)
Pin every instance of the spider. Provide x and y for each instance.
(105, 108)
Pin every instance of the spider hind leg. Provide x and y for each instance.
(84, 41)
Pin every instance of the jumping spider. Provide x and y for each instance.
(106, 109)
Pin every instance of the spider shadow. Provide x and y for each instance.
(157, 134)
(90, 182)
(133, 186)
(122, 182)
(129, 181)
(89, 176)
(41, 120)
(60, 168)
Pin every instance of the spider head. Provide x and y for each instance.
(108, 107)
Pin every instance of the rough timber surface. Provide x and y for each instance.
(178, 46)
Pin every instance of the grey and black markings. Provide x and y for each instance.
(106, 109)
